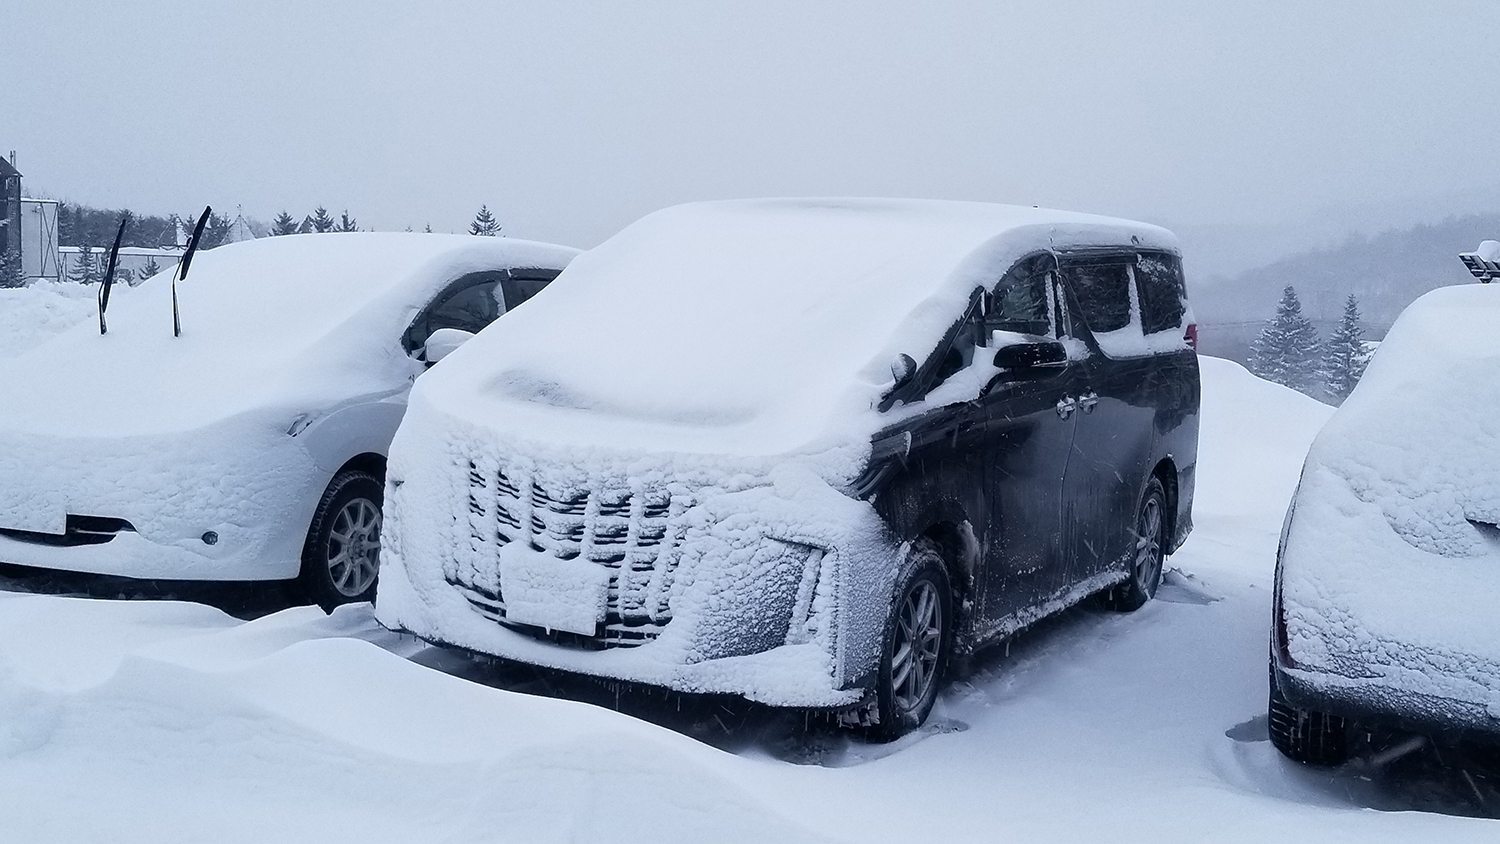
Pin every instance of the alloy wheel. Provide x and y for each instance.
(918, 644)
(354, 547)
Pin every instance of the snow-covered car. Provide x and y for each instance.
(803, 451)
(251, 447)
(1389, 565)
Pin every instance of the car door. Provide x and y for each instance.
(1027, 445)
(1112, 444)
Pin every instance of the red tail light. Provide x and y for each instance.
(1192, 335)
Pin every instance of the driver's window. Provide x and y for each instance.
(469, 304)
(1023, 301)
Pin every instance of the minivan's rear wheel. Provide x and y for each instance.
(341, 557)
(1305, 735)
(915, 648)
(1148, 550)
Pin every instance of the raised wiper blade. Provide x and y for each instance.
(109, 273)
(182, 267)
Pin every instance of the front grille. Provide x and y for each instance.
(630, 528)
(77, 530)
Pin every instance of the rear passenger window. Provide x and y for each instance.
(1158, 278)
(1103, 292)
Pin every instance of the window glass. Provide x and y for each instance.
(1103, 294)
(1020, 302)
(1158, 278)
(470, 308)
(518, 290)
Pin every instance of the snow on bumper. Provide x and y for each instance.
(1379, 621)
(241, 483)
(776, 590)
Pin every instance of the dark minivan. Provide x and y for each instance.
(810, 452)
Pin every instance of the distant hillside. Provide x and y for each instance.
(1386, 271)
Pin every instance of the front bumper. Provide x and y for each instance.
(1378, 702)
(776, 592)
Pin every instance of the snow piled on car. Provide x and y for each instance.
(184, 435)
(32, 315)
(1391, 561)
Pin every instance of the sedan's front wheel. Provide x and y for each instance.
(341, 557)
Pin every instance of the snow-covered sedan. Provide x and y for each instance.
(1389, 568)
(803, 451)
(251, 447)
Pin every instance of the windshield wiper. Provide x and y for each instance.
(182, 267)
(109, 273)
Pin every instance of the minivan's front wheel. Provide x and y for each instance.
(1147, 552)
(915, 649)
(342, 554)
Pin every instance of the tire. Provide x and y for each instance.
(1150, 538)
(341, 557)
(921, 610)
(1304, 735)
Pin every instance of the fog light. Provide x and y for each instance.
(210, 537)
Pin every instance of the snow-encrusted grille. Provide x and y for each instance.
(631, 529)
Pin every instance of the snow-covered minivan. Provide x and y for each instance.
(803, 451)
(1388, 572)
(251, 447)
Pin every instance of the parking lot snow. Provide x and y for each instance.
(169, 721)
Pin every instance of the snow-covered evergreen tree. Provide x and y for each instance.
(321, 221)
(84, 269)
(1344, 355)
(484, 223)
(1287, 350)
(284, 224)
(346, 223)
(150, 269)
(10, 269)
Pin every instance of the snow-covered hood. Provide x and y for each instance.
(296, 322)
(751, 328)
(1390, 558)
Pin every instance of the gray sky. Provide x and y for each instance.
(573, 118)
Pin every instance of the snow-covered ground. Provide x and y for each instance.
(157, 721)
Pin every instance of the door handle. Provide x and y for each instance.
(1087, 402)
(1065, 406)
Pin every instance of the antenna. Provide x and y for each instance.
(109, 274)
(182, 267)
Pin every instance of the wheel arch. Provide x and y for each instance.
(1165, 471)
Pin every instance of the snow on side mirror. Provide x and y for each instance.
(903, 369)
(1028, 355)
(442, 342)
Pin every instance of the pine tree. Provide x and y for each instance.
(427, 228)
(484, 223)
(1287, 350)
(1344, 356)
(150, 269)
(321, 222)
(284, 224)
(84, 270)
(10, 269)
(346, 223)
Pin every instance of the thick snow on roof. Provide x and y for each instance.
(1383, 557)
(287, 319)
(756, 327)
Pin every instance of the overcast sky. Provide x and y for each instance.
(572, 119)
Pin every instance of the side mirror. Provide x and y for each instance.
(442, 342)
(1028, 355)
(903, 369)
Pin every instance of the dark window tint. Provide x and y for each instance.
(468, 304)
(1020, 300)
(1103, 293)
(518, 290)
(1158, 278)
(469, 308)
